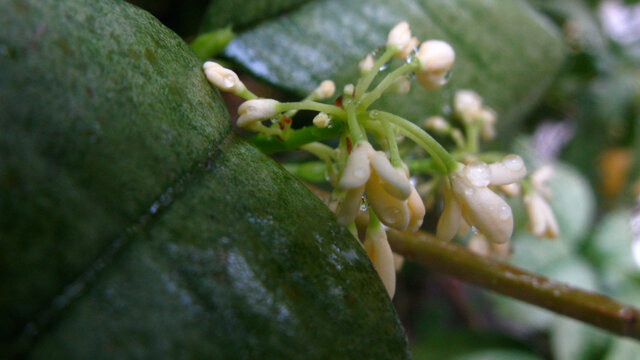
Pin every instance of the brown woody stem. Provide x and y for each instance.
(452, 259)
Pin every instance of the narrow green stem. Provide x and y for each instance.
(458, 138)
(365, 82)
(320, 150)
(247, 94)
(312, 105)
(208, 45)
(354, 126)
(415, 133)
(472, 136)
(370, 97)
(396, 160)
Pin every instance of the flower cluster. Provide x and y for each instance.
(369, 174)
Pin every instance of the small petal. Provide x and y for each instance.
(483, 208)
(542, 221)
(450, 219)
(478, 244)
(223, 78)
(366, 64)
(321, 120)
(400, 36)
(394, 180)
(437, 124)
(510, 170)
(467, 104)
(357, 170)
(510, 189)
(408, 48)
(326, 90)
(381, 256)
(251, 111)
(436, 59)
(350, 206)
(392, 211)
(416, 210)
(401, 86)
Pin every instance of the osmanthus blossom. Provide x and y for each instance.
(379, 177)
(470, 197)
(542, 222)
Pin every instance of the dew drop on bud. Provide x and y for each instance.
(504, 213)
(478, 174)
(513, 162)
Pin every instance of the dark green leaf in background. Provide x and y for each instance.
(505, 50)
(135, 226)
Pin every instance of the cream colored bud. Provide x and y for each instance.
(401, 86)
(437, 124)
(321, 120)
(357, 171)
(478, 244)
(481, 207)
(393, 180)
(510, 170)
(510, 189)
(450, 218)
(392, 211)
(410, 47)
(398, 261)
(222, 78)
(436, 59)
(542, 221)
(416, 210)
(381, 256)
(400, 36)
(251, 111)
(539, 180)
(350, 206)
(488, 129)
(467, 104)
(348, 90)
(366, 64)
(326, 90)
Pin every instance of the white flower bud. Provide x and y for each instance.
(321, 120)
(251, 111)
(510, 189)
(381, 256)
(222, 78)
(325, 90)
(350, 207)
(437, 124)
(398, 261)
(450, 218)
(480, 206)
(366, 64)
(478, 244)
(392, 211)
(409, 47)
(436, 59)
(357, 171)
(400, 36)
(467, 104)
(348, 90)
(416, 210)
(539, 179)
(393, 180)
(542, 221)
(488, 130)
(401, 86)
(510, 170)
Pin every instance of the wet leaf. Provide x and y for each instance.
(135, 225)
(504, 50)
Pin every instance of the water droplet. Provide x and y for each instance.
(513, 162)
(504, 213)
(478, 174)
(154, 207)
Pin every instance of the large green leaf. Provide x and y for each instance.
(504, 49)
(244, 13)
(134, 225)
